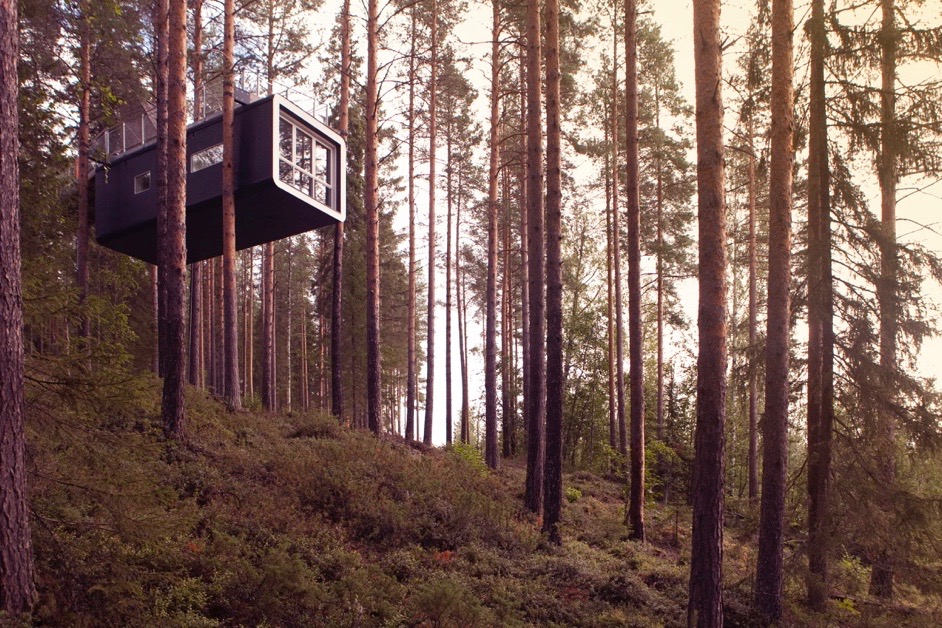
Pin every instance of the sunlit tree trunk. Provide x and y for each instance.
(175, 242)
(233, 392)
(705, 602)
(161, 21)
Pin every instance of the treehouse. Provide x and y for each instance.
(289, 177)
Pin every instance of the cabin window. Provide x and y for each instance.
(142, 182)
(206, 158)
(303, 163)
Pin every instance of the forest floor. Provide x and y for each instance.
(277, 520)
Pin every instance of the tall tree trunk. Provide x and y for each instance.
(633, 206)
(268, 327)
(17, 573)
(233, 391)
(432, 129)
(411, 376)
(336, 318)
(250, 328)
(659, 200)
(449, 422)
(553, 469)
(161, 19)
(536, 272)
(768, 590)
(705, 603)
(219, 326)
(175, 242)
(371, 209)
(289, 358)
(462, 322)
(506, 334)
(616, 261)
(195, 371)
(207, 324)
(491, 454)
(610, 306)
(820, 321)
(81, 244)
(524, 243)
(882, 575)
(155, 323)
(753, 457)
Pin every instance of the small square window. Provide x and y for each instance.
(142, 182)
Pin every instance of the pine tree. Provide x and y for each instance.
(17, 589)
(175, 243)
(769, 576)
(536, 270)
(233, 392)
(553, 469)
(636, 490)
(705, 605)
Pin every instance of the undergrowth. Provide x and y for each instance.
(270, 520)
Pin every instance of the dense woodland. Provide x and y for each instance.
(248, 440)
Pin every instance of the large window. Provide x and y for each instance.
(304, 163)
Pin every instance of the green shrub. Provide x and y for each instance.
(572, 494)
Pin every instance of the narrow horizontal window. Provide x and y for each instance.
(206, 158)
(142, 182)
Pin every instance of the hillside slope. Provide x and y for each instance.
(270, 520)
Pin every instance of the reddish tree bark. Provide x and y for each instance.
(161, 34)
(17, 591)
(768, 588)
(175, 243)
(233, 393)
(705, 603)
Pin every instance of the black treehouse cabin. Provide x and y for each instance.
(289, 171)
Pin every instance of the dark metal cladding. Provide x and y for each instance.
(268, 206)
